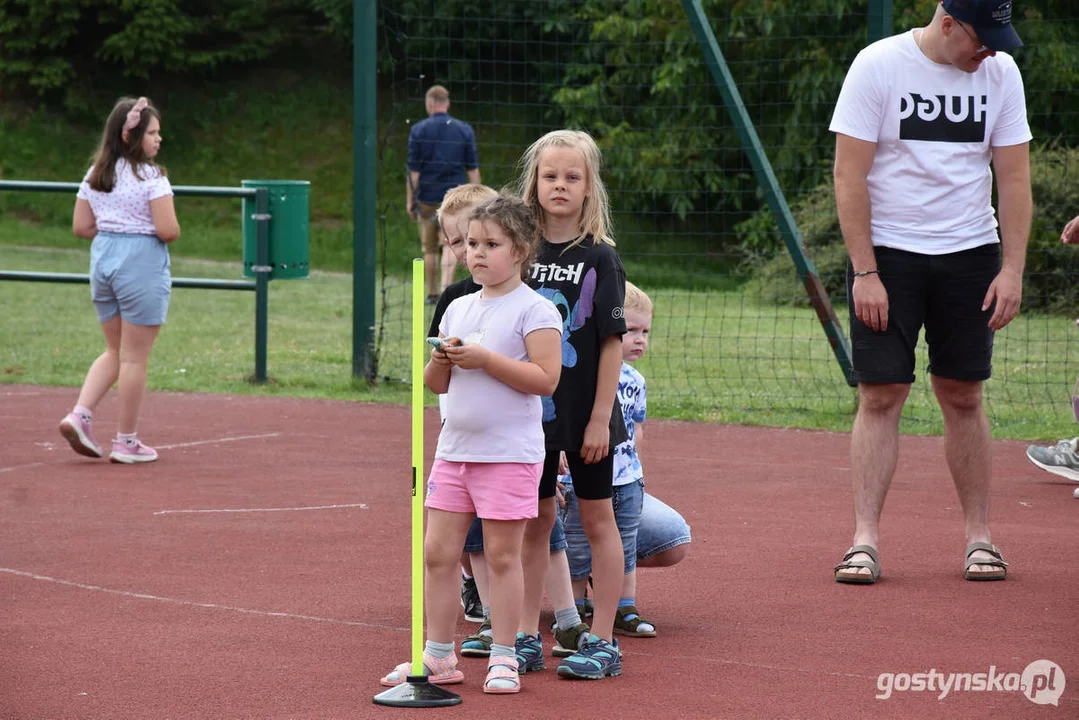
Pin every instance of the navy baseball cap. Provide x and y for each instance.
(991, 19)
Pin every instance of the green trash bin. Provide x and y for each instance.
(289, 228)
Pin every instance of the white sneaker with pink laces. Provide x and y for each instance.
(130, 454)
(78, 433)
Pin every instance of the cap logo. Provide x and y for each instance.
(1003, 13)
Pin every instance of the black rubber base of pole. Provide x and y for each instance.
(417, 691)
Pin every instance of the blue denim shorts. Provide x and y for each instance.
(662, 528)
(658, 527)
(474, 539)
(130, 276)
(627, 501)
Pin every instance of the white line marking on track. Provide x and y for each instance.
(208, 606)
(21, 467)
(50, 446)
(217, 440)
(762, 666)
(362, 506)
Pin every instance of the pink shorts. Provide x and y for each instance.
(493, 491)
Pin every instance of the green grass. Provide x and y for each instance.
(285, 127)
(719, 353)
(51, 334)
(738, 363)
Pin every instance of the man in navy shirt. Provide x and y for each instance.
(441, 155)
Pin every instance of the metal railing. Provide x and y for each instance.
(261, 268)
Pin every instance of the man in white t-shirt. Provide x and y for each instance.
(921, 119)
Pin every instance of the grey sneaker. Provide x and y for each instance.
(1061, 459)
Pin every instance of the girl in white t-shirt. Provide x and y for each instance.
(125, 206)
(502, 353)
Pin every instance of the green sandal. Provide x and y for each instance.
(478, 645)
(997, 561)
(855, 577)
(632, 625)
(569, 641)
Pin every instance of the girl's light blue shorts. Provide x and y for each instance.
(130, 276)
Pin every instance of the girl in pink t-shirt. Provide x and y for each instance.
(503, 353)
(125, 206)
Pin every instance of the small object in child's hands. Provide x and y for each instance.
(443, 343)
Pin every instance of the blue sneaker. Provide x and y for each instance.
(596, 660)
(529, 652)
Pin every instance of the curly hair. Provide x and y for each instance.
(516, 220)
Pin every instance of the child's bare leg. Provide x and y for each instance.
(667, 558)
(580, 589)
(136, 342)
(105, 370)
(442, 555)
(481, 576)
(535, 556)
(629, 584)
(502, 540)
(558, 587)
(597, 518)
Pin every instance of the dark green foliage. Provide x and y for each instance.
(629, 71)
(63, 50)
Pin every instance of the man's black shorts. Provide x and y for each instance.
(942, 292)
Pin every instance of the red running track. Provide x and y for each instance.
(261, 568)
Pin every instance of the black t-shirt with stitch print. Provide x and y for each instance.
(587, 284)
(451, 293)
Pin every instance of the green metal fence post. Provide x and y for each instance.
(879, 23)
(262, 280)
(766, 178)
(364, 163)
(261, 269)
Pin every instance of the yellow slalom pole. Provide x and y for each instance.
(417, 690)
(418, 352)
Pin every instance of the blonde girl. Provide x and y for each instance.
(578, 270)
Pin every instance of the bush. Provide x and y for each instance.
(1051, 268)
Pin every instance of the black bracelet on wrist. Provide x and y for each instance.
(867, 272)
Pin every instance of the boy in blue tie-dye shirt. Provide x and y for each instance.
(628, 490)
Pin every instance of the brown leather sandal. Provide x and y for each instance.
(857, 578)
(1000, 568)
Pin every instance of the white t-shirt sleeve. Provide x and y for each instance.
(447, 318)
(157, 185)
(859, 111)
(1012, 127)
(541, 316)
(84, 186)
